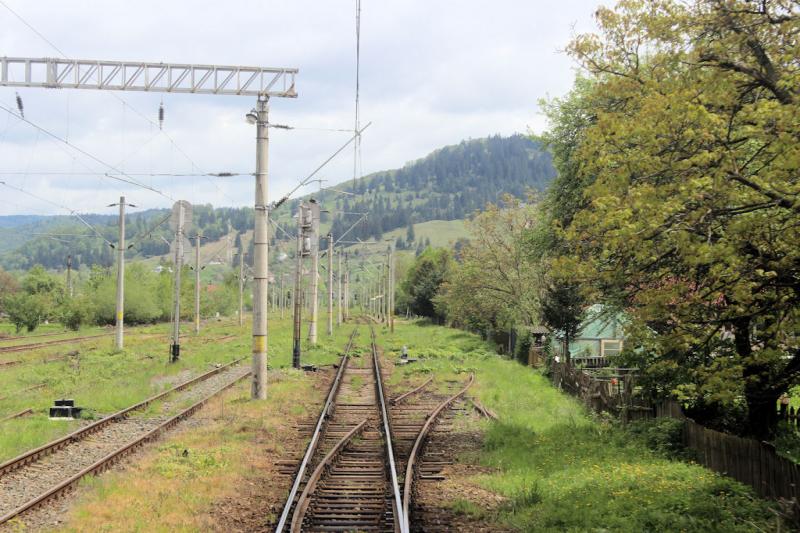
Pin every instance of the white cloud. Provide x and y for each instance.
(432, 73)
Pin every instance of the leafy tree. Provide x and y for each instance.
(410, 237)
(687, 214)
(495, 284)
(26, 310)
(423, 281)
(8, 286)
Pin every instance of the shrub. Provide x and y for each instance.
(662, 435)
(26, 310)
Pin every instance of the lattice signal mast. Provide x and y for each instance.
(263, 83)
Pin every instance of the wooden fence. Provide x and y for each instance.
(749, 461)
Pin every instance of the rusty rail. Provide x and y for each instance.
(120, 453)
(408, 484)
(399, 516)
(303, 501)
(50, 447)
(315, 437)
(45, 344)
(398, 399)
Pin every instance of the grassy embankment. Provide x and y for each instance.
(560, 469)
(104, 380)
(556, 467)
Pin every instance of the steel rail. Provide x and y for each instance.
(315, 437)
(111, 458)
(46, 449)
(412, 458)
(35, 345)
(398, 399)
(304, 500)
(401, 523)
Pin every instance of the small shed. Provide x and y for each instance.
(600, 338)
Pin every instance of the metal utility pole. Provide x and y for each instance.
(179, 217)
(120, 334)
(189, 79)
(312, 325)
(69, 275)
(330, 285)
(241, 287)
(339, 313)
(303, 223)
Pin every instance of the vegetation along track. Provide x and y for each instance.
(45, 344)
(40, 474)
(348, 476)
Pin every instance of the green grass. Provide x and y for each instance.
(103, 380)
(560, 469)
(442, 233)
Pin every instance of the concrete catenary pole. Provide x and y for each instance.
(312, 325)
(391, 289)
(197, 284)
(296, 297)
(258, 389)
(241, 287)
(339, 313)
(282, 298)
(176, 325)
(69, 275)
(119, 337)
(330, 284)
(346, 288)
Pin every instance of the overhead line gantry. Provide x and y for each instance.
(261, 82)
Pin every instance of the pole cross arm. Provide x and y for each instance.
(150, 77)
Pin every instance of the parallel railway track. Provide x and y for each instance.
(35, 477)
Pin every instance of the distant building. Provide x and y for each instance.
(600, 337)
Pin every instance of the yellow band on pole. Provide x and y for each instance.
(259, 344)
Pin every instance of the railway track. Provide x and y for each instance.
(348, 476)
(45, 344)
(362, 453)
(35, 477)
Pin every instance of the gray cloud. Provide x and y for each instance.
(433, 73)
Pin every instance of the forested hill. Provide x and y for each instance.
(449, 184)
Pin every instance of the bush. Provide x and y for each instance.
(73, 314)
(26, 310)
(523, 347)
(662, 435)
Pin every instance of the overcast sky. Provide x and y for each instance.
(432, 73)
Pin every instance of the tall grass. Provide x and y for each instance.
(560, 469)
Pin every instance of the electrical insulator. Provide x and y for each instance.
(308, 217)
(161, 116)
(306, 245)
(19, 105)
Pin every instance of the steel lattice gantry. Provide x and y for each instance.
(142, 76)
(263, 83)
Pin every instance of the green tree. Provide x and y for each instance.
(688, 213)
(495, 283)
(26, 310)
(423, 281)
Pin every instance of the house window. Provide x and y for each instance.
(610, 347)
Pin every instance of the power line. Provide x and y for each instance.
(308, 178)
(130, 179)
(144, 174)
(120, 99)
(71, 211)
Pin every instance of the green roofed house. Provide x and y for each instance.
(600, 337)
